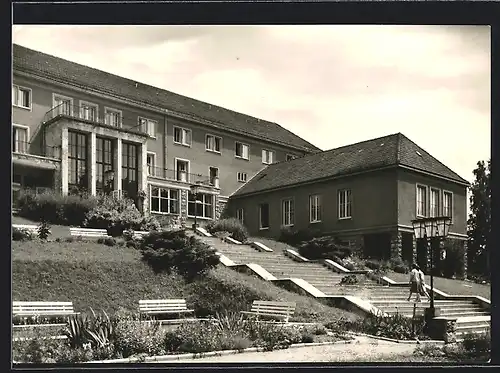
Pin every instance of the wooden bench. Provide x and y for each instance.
(51, 309)
(276, 310)
(154, 307)
(29, 227)
(88, 232)
(138, 234)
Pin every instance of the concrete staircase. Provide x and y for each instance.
(389, 299)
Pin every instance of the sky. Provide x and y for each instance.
(332, 85)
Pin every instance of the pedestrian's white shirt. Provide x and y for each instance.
(421, 274)
(414, 275)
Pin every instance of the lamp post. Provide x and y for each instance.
(194, 190)
(429, 228)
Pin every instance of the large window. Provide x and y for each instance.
(240, 215)
(448, 204)
(104, 161)
(182, 136)
(421, 200)
(77, 160)
(264, 216)
(130, 167)
(213, 143)
(19, 139)
(344, 198)
(21, 97)
(241, 150)
(164, 201)
(204, 206)
(434, 203)
(112, 117)
(287, 212)
(314, 208)
(267, 156)
(148, 126)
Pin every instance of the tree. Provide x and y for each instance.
(479, 222)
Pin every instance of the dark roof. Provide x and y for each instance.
(62, 70)
(392, 150)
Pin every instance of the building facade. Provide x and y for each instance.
(366, 194)
(76, 128)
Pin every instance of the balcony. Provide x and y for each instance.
(182, 176)
(32, 155)
(91, 115)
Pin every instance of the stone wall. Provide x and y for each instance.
(220, 208)
(396, 245)
(183, 208)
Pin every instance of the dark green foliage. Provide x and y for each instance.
(43, 230)
(108, 241)
(326, 247)
(477, 345)
(377, 265)
(168, 250)
(479, 222)
(54, 207)
(232, 225)
(294, 237)
(21, 234)
(349, 280)
(454, 263)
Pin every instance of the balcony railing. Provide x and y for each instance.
(24, 147)
(177, 175)
(92, 115)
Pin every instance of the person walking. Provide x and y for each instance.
(414, 282)
(421, 282)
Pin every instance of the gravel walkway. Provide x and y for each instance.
(362, 349)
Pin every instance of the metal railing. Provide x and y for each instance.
(169, 174)
(25, 147)
(93, 115)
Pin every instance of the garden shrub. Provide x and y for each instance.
(397, 326)
(108, 241)
(294, 237)
(454, 263)
(349, 280)
(43, 230)
(398, 265)
(55, 208)
(377, 265)
(477, 345)
(325, 247)
(232, 225)
(117, 215)
(168, 250)
(21, 234)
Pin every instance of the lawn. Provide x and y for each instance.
(450, 286)
(103, 277)
(58, 231)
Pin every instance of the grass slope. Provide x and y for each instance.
(58, 231)
(109, 278)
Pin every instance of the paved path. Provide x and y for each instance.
(362, 349)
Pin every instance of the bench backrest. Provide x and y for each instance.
(42, 307)
(91, 232)
(162, 305)
(284, 309)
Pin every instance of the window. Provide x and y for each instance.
(241, 150)
(62, 105)
(290, 157)
(204, 205)
(21, 97)
(181, 170)
(104, 161)
(182, 136)
(240, 215)
(287, 212)
(112, 117)
(151, 162)
(264, 216)
(77, 160)
(88, 111)
(267, 156)
(421, 200)
(148, 126)
(314, 208)
(20, 139)
(213, 143)
(434, 203)
(242, 177)
(214, 176)
(344, 196)
(130, 169)
(448, 204)
(164, 201)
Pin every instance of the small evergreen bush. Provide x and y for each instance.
(232, 225)
(325, 247)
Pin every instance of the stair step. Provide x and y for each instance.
(471, 328)
(466, 313)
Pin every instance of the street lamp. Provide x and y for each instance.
(429, 228)
(194, 190)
